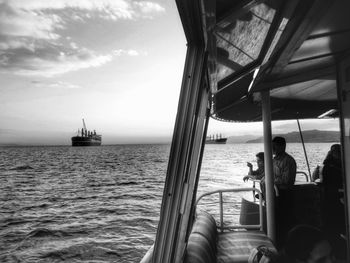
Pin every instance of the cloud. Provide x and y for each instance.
(130, 52)
(48, 59)
(27, 23)
(148, 8)
(106, 9)
(31, 41)
(40, 18)
(56, 85)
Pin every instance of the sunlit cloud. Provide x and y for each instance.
(64, 85)
(47, 59)
(147, 9)
(38, 66)
(56, 85)
(23, 23)
(31, 41)
(129, 52)
(106, 9)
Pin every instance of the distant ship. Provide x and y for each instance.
(86, 138)
(216, 139)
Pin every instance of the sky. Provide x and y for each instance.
(116, 63)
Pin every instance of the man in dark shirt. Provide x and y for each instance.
(284, 165)
(284, 171)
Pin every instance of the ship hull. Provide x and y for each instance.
(217, 141)
(85, 141)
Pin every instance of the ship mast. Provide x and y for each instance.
(84, 125)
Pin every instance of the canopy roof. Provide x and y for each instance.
(288, 47)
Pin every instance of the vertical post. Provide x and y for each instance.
(221, 212)
(185, 151)
(269, 176)
(343, 91)
(261, 213)
(302, 141)
(254, 198)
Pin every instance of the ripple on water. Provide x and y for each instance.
(100, 204)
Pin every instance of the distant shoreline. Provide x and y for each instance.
(309, 136)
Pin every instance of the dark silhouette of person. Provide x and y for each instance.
(306, 244)
(333, 209)
(332, 168)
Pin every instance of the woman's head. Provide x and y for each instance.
(307, 244)
(335, 151)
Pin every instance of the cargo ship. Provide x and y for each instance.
(86, 138)
(216, 139)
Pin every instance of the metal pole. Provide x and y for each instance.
(221, 213)
(302, 141)
(269, 176)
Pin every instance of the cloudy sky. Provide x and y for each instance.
(116, 63)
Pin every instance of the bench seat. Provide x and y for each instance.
(235, 247)
(206, 245)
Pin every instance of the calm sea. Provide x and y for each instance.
(101, 204)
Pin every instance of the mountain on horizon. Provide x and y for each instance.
(308, 136)
(240, 139)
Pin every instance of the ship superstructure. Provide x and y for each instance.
(216, 139)
(86, 138)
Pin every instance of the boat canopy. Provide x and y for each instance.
(289, 48)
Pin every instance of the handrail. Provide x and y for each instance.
(234, 190)
(308, 179)
(254, 181)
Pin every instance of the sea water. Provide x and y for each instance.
(101, 204)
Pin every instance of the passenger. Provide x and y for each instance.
(284, 165)
(334, 213)
(306, 243)
(284, 169)
(259, 173)
(317, 174)
(333, 166)
(332, 169)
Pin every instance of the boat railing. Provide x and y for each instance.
(307, 177)
(225, 205)
(255, 181)
(254, 186)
